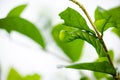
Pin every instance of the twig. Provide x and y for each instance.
(99, 36)
(89, 18)
(108, 56)
(117, 76)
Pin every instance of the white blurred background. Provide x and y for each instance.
(27, 57)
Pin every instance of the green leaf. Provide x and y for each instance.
(110, 78)
(100, 76)
(116, 31)
(116, 17)
(101, 13)
(72, 49)
(84, 78)
(115, 12)
(16, 12)
(101, 59)
(32, 77)
(104, 24)
(14, 75)
(90, 38)
(103, 67)
(73, 19)
(105, 19)
(24, 27)
(111, 53)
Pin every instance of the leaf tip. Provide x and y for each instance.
(64, 12)
(15, 12)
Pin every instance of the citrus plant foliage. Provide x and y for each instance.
(13, 22)
(104, 19)
(70, 37)
(69, 48)
(14, 75)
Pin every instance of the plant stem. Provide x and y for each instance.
(86, 13)
(117, 76)
(108, 56)
(99, 36)
(90, 20)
